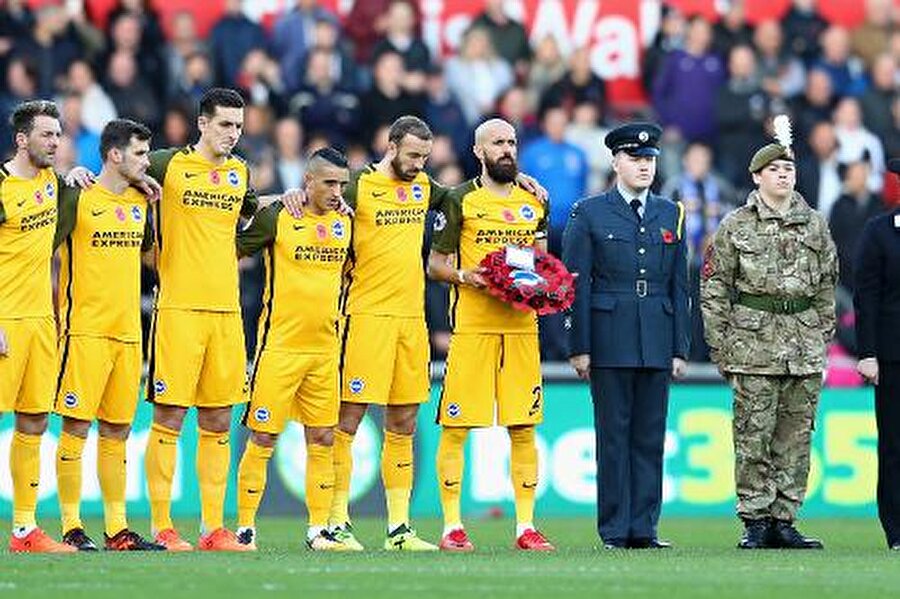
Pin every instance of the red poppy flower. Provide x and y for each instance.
(667, 236)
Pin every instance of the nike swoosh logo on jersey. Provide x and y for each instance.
(481, 214)
(22, 203)
(190, 175)
(378, 194)
(298, 227)
(451, 483)
(97, 212)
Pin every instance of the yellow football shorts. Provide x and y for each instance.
(385, 360)
(98, 378)
(492, 373)
(301, 387)
(26, 382)
(197, 358)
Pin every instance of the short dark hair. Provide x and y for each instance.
(118, 133)
(219, 96)
(22, 119)
(331, 156)
(409, 125)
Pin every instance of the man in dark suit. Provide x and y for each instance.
(877, 301)
(629, 331)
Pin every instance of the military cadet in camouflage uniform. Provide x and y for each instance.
(767, 294)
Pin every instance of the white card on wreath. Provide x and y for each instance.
(520, 258)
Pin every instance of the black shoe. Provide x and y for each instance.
(127, 540)
(648, 543)
(756, 534)
(783, 535)
(615, 544)
(78, 539)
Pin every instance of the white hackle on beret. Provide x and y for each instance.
(783, 133)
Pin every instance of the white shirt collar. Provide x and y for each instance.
(642, 196)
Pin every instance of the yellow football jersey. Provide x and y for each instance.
(28, 209)
(196, 222)
(385, 274)
(102, 235)
(474, 223)
(304, 261)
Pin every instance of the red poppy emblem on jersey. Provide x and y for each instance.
(321, 231)
(667, 236)
(401, 194)
(38, 197)
(214, 177)
(508, 216)
(120, 213)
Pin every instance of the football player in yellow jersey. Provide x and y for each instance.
(28, 210)
(383, 305)
(103, 231)
(296, 366)
(196, 355)
(493, 365)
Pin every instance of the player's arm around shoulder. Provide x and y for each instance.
(260, 231)
(445, 241)
(67, 213)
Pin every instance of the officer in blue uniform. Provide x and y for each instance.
(629, 331)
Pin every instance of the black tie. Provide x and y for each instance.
(636, 207)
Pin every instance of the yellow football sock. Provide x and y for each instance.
(524, 470)
(25, 468)
(159, 466)
(68, 479)
(450, 463)
(319, 482)
(213, 460)
(111, 470)
(343, 468)
(252, 481)
(397, 473)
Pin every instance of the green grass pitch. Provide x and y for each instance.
(703, 564)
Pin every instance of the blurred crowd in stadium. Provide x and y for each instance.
(312, 79)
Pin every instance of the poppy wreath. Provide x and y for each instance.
(548, 289)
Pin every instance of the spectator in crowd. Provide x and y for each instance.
(290, 164)
(742, 108)
(53, 45)
(194, 80)
(707, 197)
(815, 105)
(367, 23)
(256, 138)
(442, 154)
(86, 142)
(444, 114)
(260, 81)
(802, 28)
(388, 100)
(127, 36)
(16, 22)
(131, 94)
(21, 85)
(183, 44)
(560, 166)
(872, 38)
(876, 102)
(585, 130)
(892, 136)
(400, 37)
(514, 107)
(855, 141)
(684, 93)
(669, 37)
(547, 67)
(477, 75)
(818, 178)
(577, 86)
(849, 215)
(845, 71)
(97, 108)
(293, 36)
(152, 38)
(781, 74)
(176, 128)
(327, 37)
(233, 36)
(323, 106)
(508, 36)
(732, 29)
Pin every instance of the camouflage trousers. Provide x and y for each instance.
(772, 426)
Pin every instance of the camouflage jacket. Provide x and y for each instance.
(758, 251)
